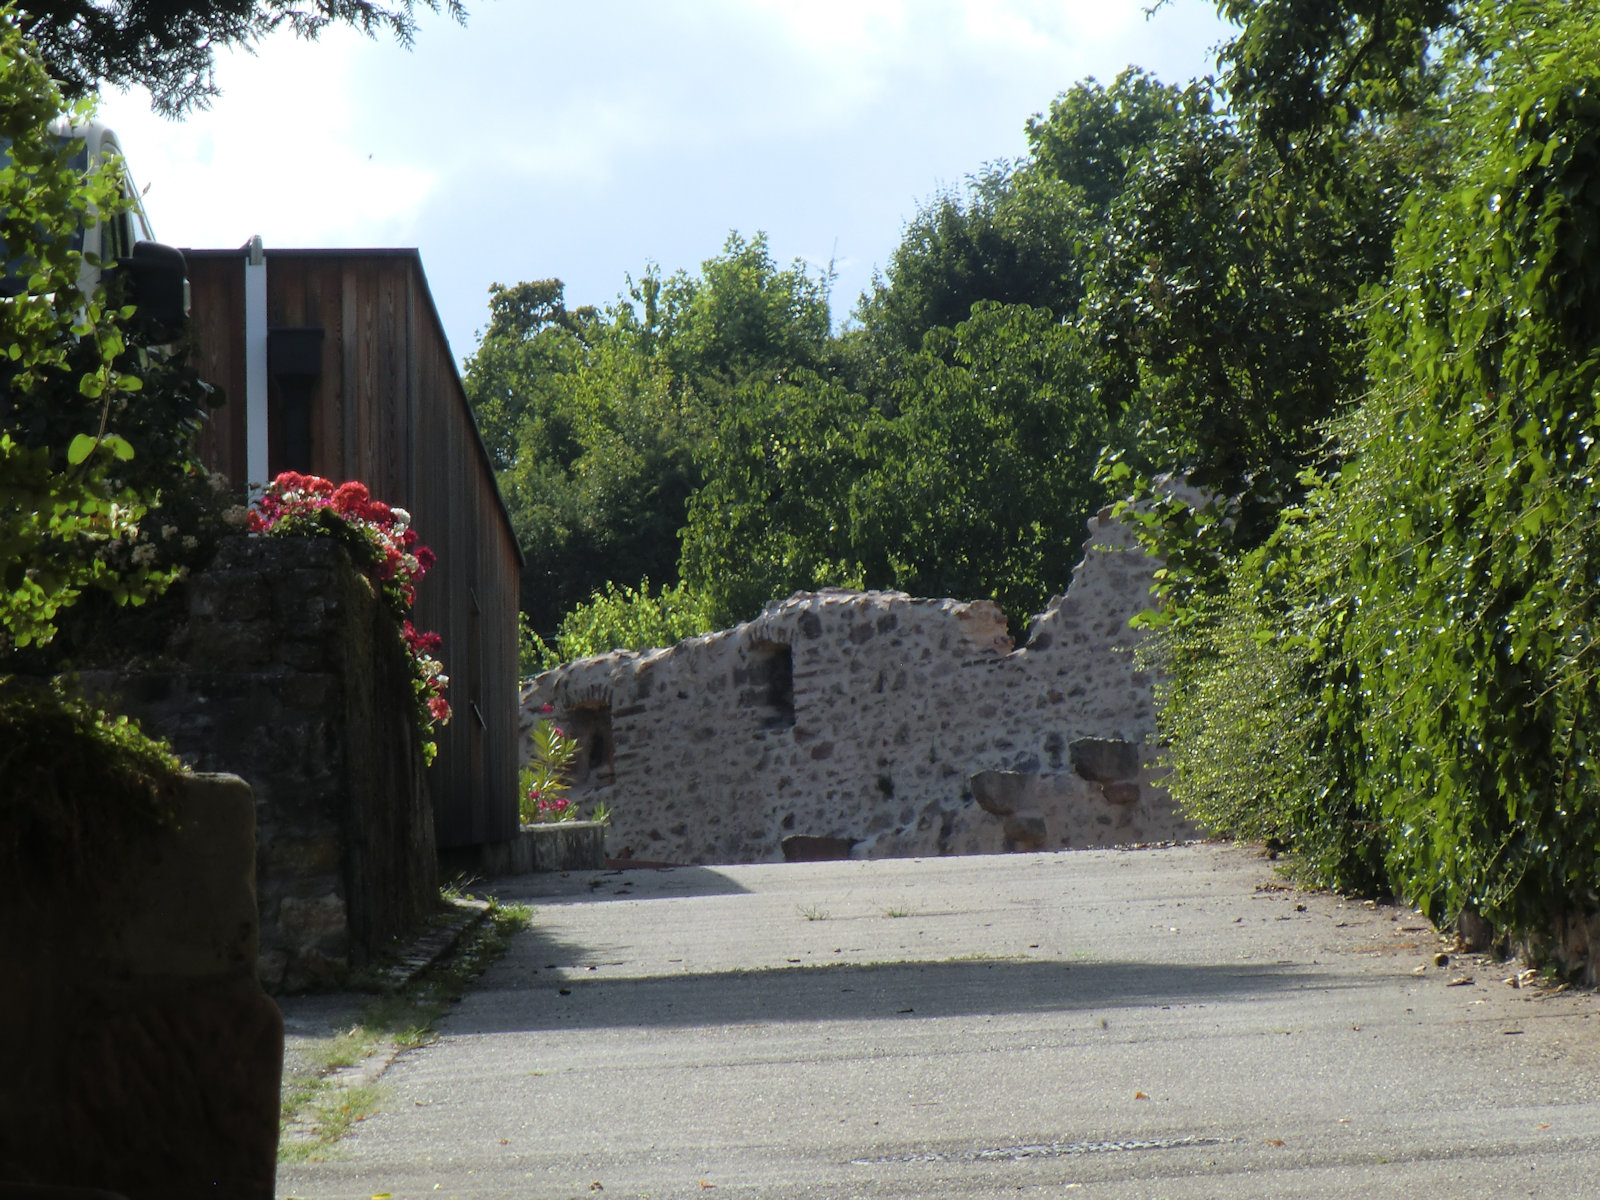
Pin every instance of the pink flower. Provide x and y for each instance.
(439, 708)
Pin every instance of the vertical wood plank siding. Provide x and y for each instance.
(217, 290)
(389, 410)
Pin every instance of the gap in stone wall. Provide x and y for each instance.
(590, 724)
(766, 683)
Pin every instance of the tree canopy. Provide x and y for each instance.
(1398, 679)
(169, 46)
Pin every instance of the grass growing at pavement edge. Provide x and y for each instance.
(335, 1089)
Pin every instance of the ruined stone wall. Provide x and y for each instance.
(875, 724)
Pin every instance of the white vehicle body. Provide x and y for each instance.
(157, 280)
(108, 240)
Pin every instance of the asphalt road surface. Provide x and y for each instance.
(1167, 1023)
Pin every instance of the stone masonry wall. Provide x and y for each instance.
(877, 725)
(290, 673)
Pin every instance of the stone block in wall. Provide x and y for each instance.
(806, 848)
(1106, 759)
(1002, 792)
(1066, 811)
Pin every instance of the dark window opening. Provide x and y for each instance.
(596, 763)
(294, 428)
(766, 684)
(294, 361)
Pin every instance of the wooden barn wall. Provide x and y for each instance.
(389, 410)
(216, 281)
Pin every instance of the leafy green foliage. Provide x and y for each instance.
(1222, 304)
(1402, 679)
(594, 416)
(973, 476)
(983, 479)
(1474, 627)
(77, 787)
(625, 618)
(51, 524)
(96, 425)
(1019, 232)
(1094, 135)
(1310, 68)
(775, 513)
(543, 783)
(1009, 239)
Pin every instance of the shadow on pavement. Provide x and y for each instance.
(634, 883)
(517, 998)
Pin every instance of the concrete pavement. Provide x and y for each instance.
(1099, 1024)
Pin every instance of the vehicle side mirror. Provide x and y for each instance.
(158, 283)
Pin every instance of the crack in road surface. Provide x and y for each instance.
(1039, 1150)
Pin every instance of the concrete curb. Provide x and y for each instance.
(434, 945)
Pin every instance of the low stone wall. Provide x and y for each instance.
(290, 673)
(143, 1056)
(875, 724)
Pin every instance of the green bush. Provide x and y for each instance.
(77, 787)
(1403, 680)
(97, 426)
(619, 618)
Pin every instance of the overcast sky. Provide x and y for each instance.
(586, 140)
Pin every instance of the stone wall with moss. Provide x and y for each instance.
(876, 724)
(290, 673)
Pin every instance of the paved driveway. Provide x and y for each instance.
(1153, 1023)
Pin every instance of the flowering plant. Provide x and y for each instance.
(382, 540)
(546, 778)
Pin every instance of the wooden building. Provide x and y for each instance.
(335, 363)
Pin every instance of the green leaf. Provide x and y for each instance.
(82, 446)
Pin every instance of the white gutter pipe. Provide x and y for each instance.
(255, 364)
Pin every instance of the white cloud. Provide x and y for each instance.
(280, 154)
